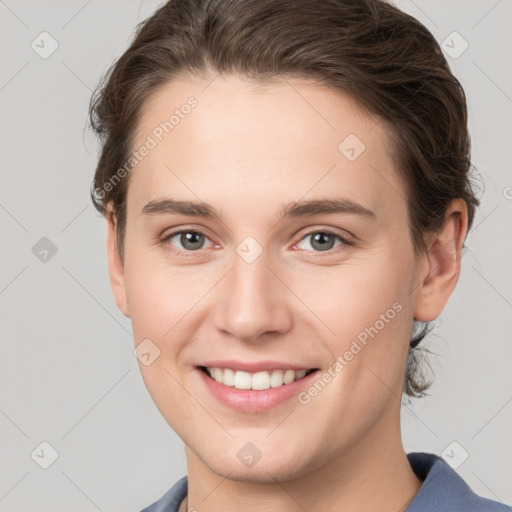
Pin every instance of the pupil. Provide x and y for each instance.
(191, 240)
(322, 241)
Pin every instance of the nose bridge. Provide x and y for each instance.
(253, 300)
(248, 279)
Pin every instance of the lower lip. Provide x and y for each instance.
(251, 400)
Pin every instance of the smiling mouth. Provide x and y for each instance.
(256, 381)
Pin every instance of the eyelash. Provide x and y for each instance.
(164, 240)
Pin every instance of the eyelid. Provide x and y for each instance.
(166, 236)
(346, 241)
(348, 238)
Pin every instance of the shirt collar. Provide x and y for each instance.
(443, 490)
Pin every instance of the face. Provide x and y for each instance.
(267, 231)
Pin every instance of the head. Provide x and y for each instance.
(283, 181)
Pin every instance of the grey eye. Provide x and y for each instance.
(189, 240)
(321, 241)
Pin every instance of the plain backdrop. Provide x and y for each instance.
(68, 376)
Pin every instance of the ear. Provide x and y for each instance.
(441, 269)
(115, 266)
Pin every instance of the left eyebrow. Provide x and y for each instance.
(294, 209)
(324, 206)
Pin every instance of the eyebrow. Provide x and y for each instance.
(294, 209)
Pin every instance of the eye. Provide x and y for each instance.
(323, 240)
(186, 240)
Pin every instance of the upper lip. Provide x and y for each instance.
(253, 367)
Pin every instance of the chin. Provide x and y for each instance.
(273, 466)
(264, 474)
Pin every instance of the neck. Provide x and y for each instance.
(373, 474)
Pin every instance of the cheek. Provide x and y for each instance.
(352, 297)
(161, 308)
(167, 304)
(368, 311)
(158, 293)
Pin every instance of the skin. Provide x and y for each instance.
(247, 149)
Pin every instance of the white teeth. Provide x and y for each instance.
(276, 379)
(289, 376)
(259, 380)
(242, 380)
(229, 377)
(217, 374)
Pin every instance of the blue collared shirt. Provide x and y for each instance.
(443, 490)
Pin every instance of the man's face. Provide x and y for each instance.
(265, 281)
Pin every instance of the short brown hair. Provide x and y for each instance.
(378, 55)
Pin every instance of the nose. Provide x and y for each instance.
(253, 301)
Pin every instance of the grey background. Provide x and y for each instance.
(68, 375)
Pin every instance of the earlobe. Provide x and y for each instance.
(443, 260)
(115, 267)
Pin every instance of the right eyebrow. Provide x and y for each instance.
(191, 208)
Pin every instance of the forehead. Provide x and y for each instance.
(236, 142)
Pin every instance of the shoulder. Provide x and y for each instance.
(444, 490)
(170, 501)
